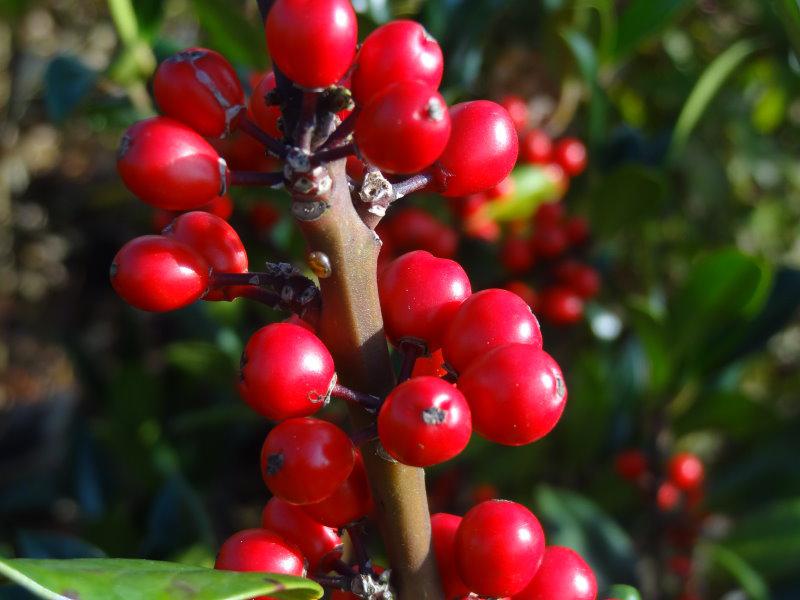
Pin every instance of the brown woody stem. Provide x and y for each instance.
(366, 401)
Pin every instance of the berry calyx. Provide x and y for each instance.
(167, 164)
(286, 372)
(482, 149)
(443, 536)
(563, 574)
(424, 421)
(516, 394)
(498, 547)
(399, 51)
(312, 41)
(487, 320)
(419, 295)
(264, 114)
(686, 471)
(200, 88)
(570, 153)
(351, 501)
(319, 544)
(404, 128)
(305, 460)
(158, 274)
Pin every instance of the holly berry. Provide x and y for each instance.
(443, 536)
(487, 320)
(319, 544)
(415, 229)
(404, 128)
(516, 255)
(351, 501)
(561, 306)
(536, 147)
(399, 51)
(244, 153)
(498, 547)
(631, 464)
(516, 394)
(305, 460)
(504, 189)
(286, 372)
(524, 291)
(548, 214)
(168, 165)
(200, 88)
(577, 230)
(580, 278)
(419, 295)
(424, 421)
(668, 496)
(686, 471)
(156, 273)
(549, 241)
(570, 153)
(221, 206)
(517, 109)
(482, 149)
(563, 574)
(312, 42)
(265, 115)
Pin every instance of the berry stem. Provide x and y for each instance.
(341, 567)
(412, 184)
(336, 582)
(332, 154)
(276, 147)
(304, 131)
(411, 352)
(366, 401)
(344, 129)
(364, 435)
(256, 178)
(356, 534)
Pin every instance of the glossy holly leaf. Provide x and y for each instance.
(132, 579)
(48, 544)
(643, 19)
(732, 565)
(732, 412)
(241, 41)
(67, 82)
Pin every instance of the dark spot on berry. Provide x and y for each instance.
(434, 416)
(274, 463)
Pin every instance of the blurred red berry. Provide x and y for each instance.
(516, 255)
(561, 306)
(570, 153)
(686, 471)
(517, 109)
(536, 147)
(630, 464)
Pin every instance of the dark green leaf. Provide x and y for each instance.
(67, 82)
(241, 41)
(643, 19)
(48, 544)
(750, 581)
(730, 412)
(627, 197)
(130, 579)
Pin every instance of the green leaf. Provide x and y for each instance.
(532, 187)
(750, 580)
(48, 544)
(706, 88)
(629, 196)
(132, 579)
(586, 58)
(789, 13)
(124, 17)
(67, 82)
(655, 341)
(731, 412)
(642, 20)
(199, 358)
(241, 41)
(624, 592)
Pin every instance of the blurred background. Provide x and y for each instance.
(121, 432)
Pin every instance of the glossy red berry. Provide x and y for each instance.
(404, 128)
(351, 501)
(561, 306)
(548, 214)
(399, 51)
(516, 255)
(668, 497)
(424, 421)
(312, 41)
(630, 464)
(265, 115)
(570, 153)
(419, 295)
(487, 320)
(305, 460)
(516, 394)
(156, 273)
(499, 546)
(416, 229)
(319, 544)
(686, 471)
(563, 574)
(200, 88)
(482, 149)
(168, 165)
(536, 147)
(517, 109)
(443, 535)
(221, 206)
(259, 550)
(286, 372)
(524, 291)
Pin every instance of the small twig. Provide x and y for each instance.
(248, 178)
(359, 549)
(368, 401)
(341, 567)
(276, 147)
(331, 154)
(340, 134)
(412, 184)
(367, 434)
(336, 582)
(304, 131)
(411, 352)
(263, 7)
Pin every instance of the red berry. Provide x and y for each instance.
(168, 165)
(498, 548)
(558, 178)
(630, 464)
(536, 147)
(432, 365)
(524, 291)
(580, 278)
(312, 41)
(419, 295)
(244, 153)
(484, 492)
(263, 114)
(686, 471)
(516, 255)
(404, 128)
(415, 229)
(295, 320)
(259, 550)
(549, 214)
(263, 216)
(443, 534)
(424, 421)
(681, 565)
(351, 501)
(504, 189)
(570, 153)
(200, 88)
(561, 306)
(286, 372)
(577, 230)
(318, 543)
(563, 574)
(549, 241)
(356, 168)
(156, 273)
(488, 320)
(399, 51)
(305, 460)
(668, 496)
(516, 394)
(482, 149)
(517, 109)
